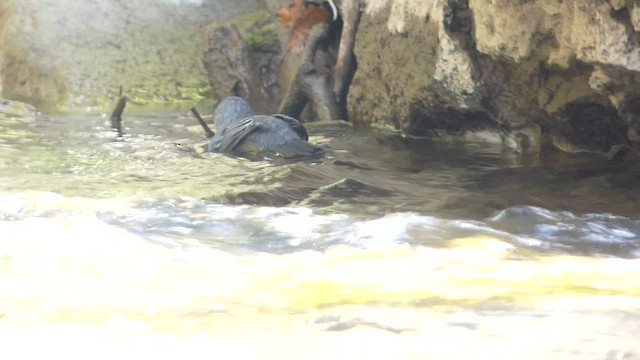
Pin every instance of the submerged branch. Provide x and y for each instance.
(116, 115)
(207, 129)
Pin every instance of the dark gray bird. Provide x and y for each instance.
(239, 131)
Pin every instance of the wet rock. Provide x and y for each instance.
(344, 190)
(591, 126)
(618, 152)
(16, 109)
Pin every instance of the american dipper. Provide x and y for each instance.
(239, 131)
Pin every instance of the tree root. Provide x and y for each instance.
(325, 93)
(207, 130)
(345, 67)
(309, 85)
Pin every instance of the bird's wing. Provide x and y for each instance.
(235, 132)
(294, 124)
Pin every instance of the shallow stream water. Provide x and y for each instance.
(388, 247)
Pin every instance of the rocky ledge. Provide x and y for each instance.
(545, 72)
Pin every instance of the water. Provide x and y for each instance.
(387, 248)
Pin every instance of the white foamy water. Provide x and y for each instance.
(78, 283)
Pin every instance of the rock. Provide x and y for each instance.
(586, 31)
(243, 59)
(634, 13)
(504, 64)
(343, 190)
(16, 109)
(618, 152)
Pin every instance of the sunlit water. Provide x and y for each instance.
(388, 248)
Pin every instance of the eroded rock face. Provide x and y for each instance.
(74, 55)
(423, 75)
(568, 69)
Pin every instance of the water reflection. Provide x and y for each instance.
(162, 156)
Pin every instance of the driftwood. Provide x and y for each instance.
(207, 129)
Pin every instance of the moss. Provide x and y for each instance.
(248, 22)
(262, 38)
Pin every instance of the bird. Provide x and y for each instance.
(241, 132)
